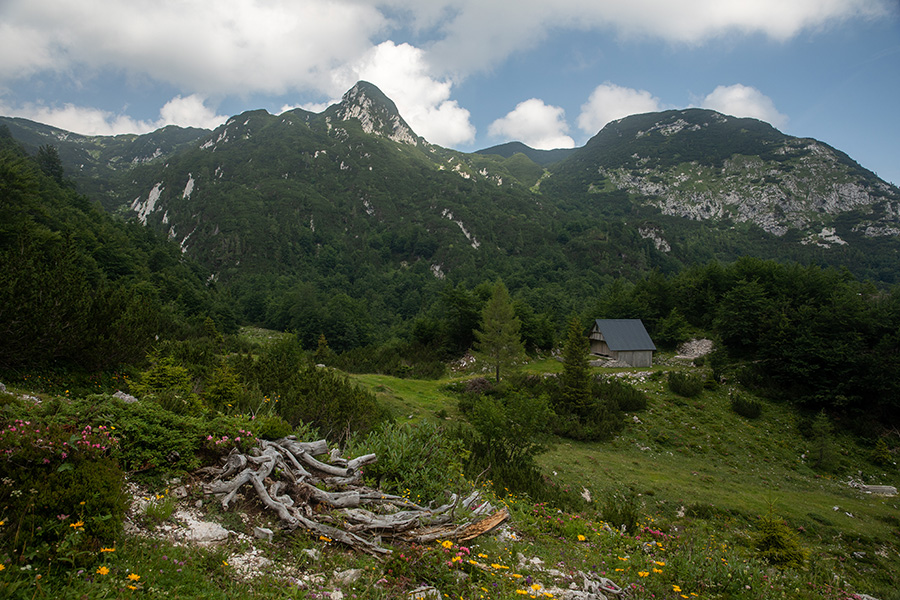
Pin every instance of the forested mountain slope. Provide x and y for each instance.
(78, 288)
(346, 221)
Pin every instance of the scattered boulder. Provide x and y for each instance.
(348, 577)
(426, 592)
(126, 398)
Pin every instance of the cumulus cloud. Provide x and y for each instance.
(477, 34)
(189, 112)
(230, 46)
(184, 112)
(535, 124)
(743, 101)
(245, 46)
(403, 74)
(609, 102)
(249, 47)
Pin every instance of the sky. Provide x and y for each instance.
(465, 74)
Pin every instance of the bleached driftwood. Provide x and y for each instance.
(288, 479)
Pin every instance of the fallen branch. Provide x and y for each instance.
(290, 481)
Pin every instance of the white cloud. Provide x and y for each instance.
(249, 47)
(246, 46)
(609, 102)
(229, 46)
(476, 34)
(743, 101)
(534, 124)
(403, 74)
(184, 112)
(189, 112)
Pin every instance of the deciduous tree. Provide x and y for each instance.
(498, 342)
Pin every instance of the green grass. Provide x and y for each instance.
(412, 399)
(699, 475)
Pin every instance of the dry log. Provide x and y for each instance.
(294, 493)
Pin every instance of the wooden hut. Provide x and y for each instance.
(624, 340)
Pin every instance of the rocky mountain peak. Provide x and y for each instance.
(376, 113)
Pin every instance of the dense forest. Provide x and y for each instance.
(84, 290)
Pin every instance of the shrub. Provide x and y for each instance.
(271, 427)
(621, 510)
(419, 460)
(320, 397)
(149, 435)
(777, 544)
(170, 385)
(744, 406)
(685, 384)
(61, 490)
(881, 454)
(626, 397)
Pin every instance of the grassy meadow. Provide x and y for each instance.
(682, 503)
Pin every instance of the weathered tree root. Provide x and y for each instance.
(288, 479)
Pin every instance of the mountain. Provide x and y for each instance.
(91, 161)
(541, 157)
(79, 288)
(705, 166)
(348, 222)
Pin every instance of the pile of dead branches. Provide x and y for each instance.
(329, 498)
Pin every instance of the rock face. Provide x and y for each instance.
(702, 165)
(747, 189)
(377, 114)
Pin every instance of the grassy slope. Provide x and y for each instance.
(695, 452)
(699, 472)
(694, 464)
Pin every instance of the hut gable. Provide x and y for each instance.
(624, 340)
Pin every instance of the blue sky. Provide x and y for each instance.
(465, 74)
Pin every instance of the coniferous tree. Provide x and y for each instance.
(575, 381)
(498, 342)
(49, 161)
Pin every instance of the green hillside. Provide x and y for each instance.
(77, 288)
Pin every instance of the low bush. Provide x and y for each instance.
(627, 398)
(744, 406)
(170, 385)
(685, 385)
(419, 461)
(777, 544)
(622, 511)
(61, 488)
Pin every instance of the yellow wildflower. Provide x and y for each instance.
(643, 573)
(133, 576)
(131, 587)
(447, 544)
(581, 538)
(2, 567)
(107, 549)
(324, 539)
(103, 571)
(77, 524)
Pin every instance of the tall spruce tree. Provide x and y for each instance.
(498, 343)
(575, 380)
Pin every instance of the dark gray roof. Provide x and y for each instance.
(624, 334)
